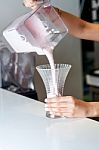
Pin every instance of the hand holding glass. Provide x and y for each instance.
(54, 79)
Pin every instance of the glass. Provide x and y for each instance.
(54, 79)
(36, 31)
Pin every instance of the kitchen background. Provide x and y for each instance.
(82, 55)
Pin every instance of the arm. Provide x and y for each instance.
(69, 106)
(78, 27)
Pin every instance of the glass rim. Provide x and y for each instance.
(48, 67)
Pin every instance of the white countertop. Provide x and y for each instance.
(23, 126)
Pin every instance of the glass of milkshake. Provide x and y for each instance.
(54, 80)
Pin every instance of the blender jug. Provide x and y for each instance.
(36, 31)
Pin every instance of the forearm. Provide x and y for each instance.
(80, 28)
(94, 109)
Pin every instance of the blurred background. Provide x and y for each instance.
(81, 54)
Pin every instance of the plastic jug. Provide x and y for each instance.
(40, 29)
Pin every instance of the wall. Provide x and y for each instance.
(68, 51)
(9, 10)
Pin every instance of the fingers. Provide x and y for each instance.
(59, 112)
(58, 108)
(65, 99)
(29, 3)
(67, 115)
(61, 106)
